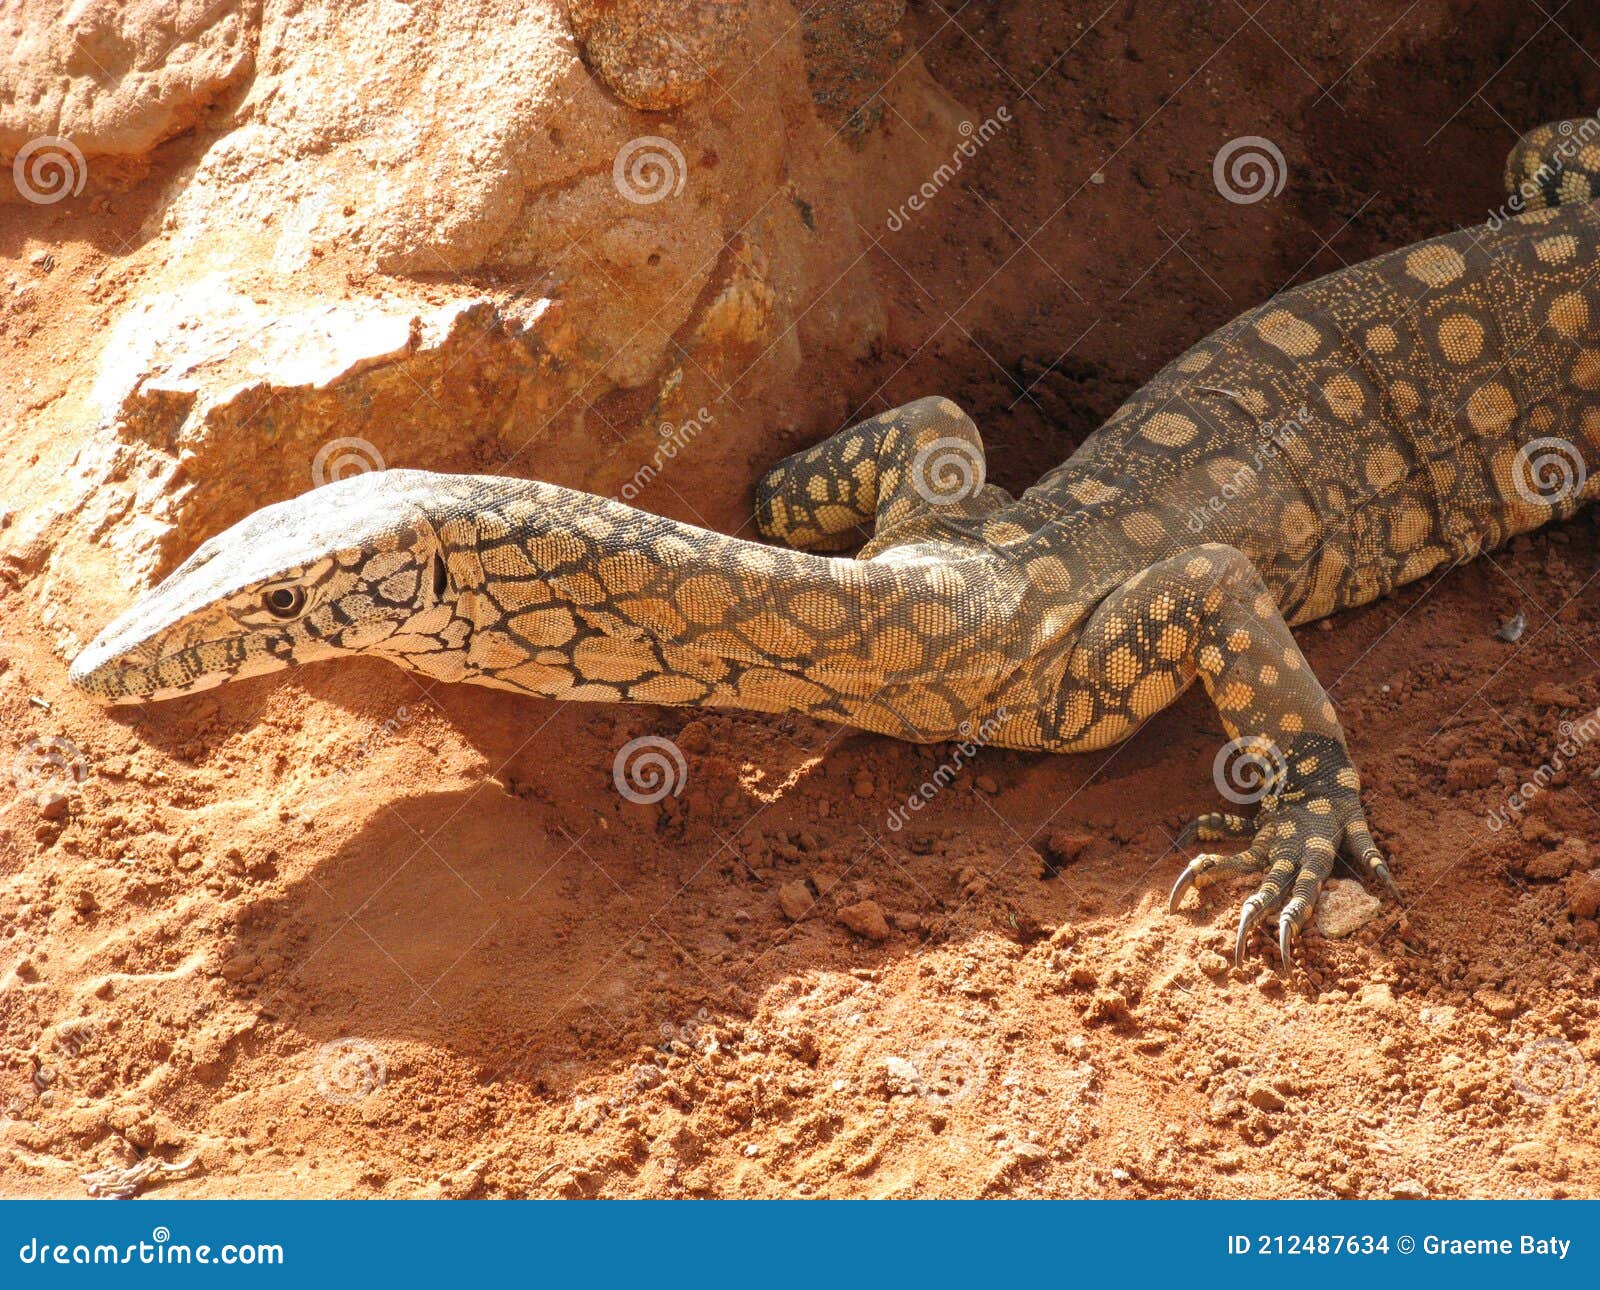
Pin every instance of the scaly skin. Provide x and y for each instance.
(1347, 437)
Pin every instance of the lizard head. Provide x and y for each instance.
(356, 566)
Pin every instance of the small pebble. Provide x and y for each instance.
(1511, 630)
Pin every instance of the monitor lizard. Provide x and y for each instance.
(1348, 436)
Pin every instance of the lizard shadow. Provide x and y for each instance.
(540, 930)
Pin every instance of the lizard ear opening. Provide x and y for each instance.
(441, 581)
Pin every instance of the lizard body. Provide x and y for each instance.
(1347, 437)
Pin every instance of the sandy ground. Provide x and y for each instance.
(340, 934)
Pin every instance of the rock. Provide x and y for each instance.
(851, 49)
(1344, 907)
(866, 919)
(1570, 856)
(987, 784)
(1029, 1153)
(118, 76)
(657, 54)
(1497, 1004)
(1377, 995)
(1409, 1189)
(1583, 894)
(189, 370)
(1106, 1007)
(1259, 1093)
(1470, 772)
(795, 900)
(1212, 963)
(1550, 695)
(900, 1076)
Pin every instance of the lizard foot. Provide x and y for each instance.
(1310, 813)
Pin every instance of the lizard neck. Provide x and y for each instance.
(579, 597)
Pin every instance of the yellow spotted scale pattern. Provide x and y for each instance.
(1350, 435)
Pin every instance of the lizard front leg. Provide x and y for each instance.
(923, 461)
(1207, 613)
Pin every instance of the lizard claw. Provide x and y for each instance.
(1249, 916)
(1203, 870)
(1380, 871)
(1290, 921)
(1184, 883)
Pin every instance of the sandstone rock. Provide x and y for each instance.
(851, 49)
(1344, 907)
(205, 375)
(1261, 1094)
(795, 900)
(1583, 894)
(118, 76)
(1570, 856)
(866, 919)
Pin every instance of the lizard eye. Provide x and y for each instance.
(284, 602)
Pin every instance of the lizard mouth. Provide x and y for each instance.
(113, 670)
(115, 679)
